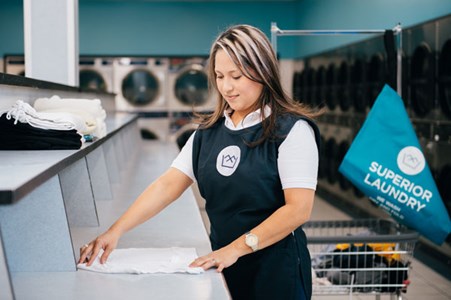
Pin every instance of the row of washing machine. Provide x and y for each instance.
(163, 90)
(348, 80)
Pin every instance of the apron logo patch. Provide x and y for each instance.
(228, 160)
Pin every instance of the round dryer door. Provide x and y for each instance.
(191, 87)
(343, 93)
(376, 77)
(330, 87)
(422, 80)
(444, 81)
(311, 84)
(321, 84)
(140, 87)
(92, 80)
(297, 77)
(444, 187)
(331, 152)
(358, 93)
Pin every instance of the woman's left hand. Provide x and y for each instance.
(220, 259)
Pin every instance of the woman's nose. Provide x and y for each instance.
(227, 85)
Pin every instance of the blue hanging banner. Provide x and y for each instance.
(386, 163)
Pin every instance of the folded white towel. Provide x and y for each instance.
(89, 109)
(146, 260)
(92, 106)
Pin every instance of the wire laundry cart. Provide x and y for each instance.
(370, 256)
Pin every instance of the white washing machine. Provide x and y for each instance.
(154, 126)
(188, 85)
(140, 84)
(14, 65)
(96, 73)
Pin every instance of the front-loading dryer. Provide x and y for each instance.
(188, 85)
(421, 52)
(140, 83)
(96, 73)
(444, 66)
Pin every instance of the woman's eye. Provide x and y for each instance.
(236, 77)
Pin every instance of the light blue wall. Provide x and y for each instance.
(188, 28)
(361, 14)
(155, 28)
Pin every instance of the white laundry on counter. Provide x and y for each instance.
(90, 110)
(24, 113)
(92, 106)
(146, 261)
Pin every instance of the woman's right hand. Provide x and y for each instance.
(106, 241)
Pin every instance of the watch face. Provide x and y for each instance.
(251, 240)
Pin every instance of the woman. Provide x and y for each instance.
(255, 160)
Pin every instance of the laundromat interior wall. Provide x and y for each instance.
(341, 73)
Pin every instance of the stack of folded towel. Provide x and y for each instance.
(90, 111)
(53, 123)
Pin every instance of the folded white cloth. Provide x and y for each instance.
(92, 106)
(146, 261)
(90, 110)
(23, 112)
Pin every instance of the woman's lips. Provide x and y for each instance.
(231, 97)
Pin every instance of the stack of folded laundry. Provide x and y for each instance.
(53, 123)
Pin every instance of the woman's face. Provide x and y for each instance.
(240, 92)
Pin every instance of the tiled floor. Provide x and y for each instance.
(425, 283)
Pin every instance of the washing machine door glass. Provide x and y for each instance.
(376, 77)
(422, 80)
(331, 152)
(330, 87)
(444, 81)
(343, 93)
(321, 86)
(92, 80)
(297, 77)
(358, 93)
(140, 87)
(191, 87)
(311, 84)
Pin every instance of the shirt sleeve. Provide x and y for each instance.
(298, 158)
(184, 161)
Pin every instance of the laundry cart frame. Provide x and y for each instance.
(361, 256)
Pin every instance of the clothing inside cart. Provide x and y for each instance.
(361, 264)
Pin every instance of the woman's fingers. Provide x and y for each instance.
(204, 262)
(84, 251)
(106, 254)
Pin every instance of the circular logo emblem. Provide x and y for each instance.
(228, 160)
(411, 160)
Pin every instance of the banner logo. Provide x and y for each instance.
(411, 160)
(228, 160)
